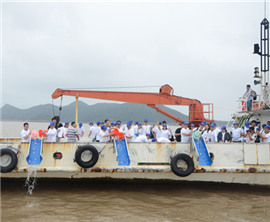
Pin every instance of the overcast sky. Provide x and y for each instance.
(202, 49)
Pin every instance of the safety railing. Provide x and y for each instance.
(255, 106)
(208, 111)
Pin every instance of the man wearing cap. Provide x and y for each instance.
(249, 98)
(104, 135)
(51, 135)
(266, 137)
(213, 133)
(185, 133)
(118, 126)
(237, 133)
(81, 130)
(129, 132)
(146, 128)
(92, 132)
(224, 136)
(97, 129)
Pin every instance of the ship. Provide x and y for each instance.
(196, 161)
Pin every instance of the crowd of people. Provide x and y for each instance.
(160, 132)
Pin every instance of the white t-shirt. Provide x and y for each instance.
(268, 138)
(163, 140)
(80, 131)
(185, 139)
(129, 132)
(142, 139)
(97, 129)
(120, 130)
(93, 132)
(216, 132)
(157, 131)
(25, 133)
(61, 132)
(206, 136)
(51, 135)
(165, 133)
(146, 129)
(211, 137)
(236, 134)
(102, 138)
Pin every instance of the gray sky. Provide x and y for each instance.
(202, 49)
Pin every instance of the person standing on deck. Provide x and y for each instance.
(60, 131)
(26, 133)
(251, 136)
(206, 132)
(236, 133)
(165, 132)
(98, 131)
(224, 136)
(51, 135)
(157, 130)
(92, 132)
(185, 133)
(129, 132)
(81, 130)
(72, 133)
(118, 126)
(104, 135)
(249, 98)
(266, 137)
(146, 128)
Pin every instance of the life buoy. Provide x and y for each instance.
(8, 160)
(179, 171)
(86, 156)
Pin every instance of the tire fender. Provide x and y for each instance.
(92, 161)
(189, 162)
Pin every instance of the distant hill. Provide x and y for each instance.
(87, 113)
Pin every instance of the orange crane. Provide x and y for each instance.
(164, 97)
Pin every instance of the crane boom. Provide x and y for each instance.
(164, 97)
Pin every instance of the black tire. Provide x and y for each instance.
(92, 161)
(13, 160)
(181, 172)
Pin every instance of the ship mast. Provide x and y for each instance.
(263, 76)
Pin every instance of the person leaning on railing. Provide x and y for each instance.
(249, 97)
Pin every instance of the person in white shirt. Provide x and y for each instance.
(97, 129)
(165, 132)
(104, 135)
(143, 139)
(139, 130)
(26, 133)
(213, 133)
(206, 132)
(170, 130)
(157, 130)
(266, 137)
(92, 131)
(236, 133)
(129, 133)
(185, 133)
(51, 135)
(135, 126)
(118, 126)
(60, 131)
(146, 128)
(81, 130)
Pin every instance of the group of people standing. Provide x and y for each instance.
(160, 132)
